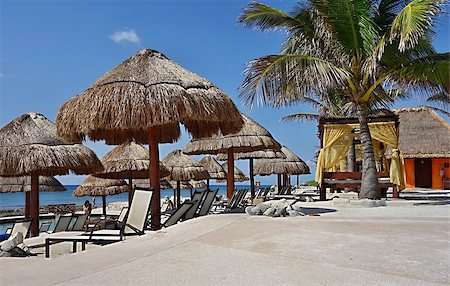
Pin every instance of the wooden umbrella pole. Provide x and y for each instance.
(34, 205)
(178, 194)
(27, 204)
(252, 178)
(104, 204)
(230, 174)
(154, 177)
(279, 180)
(130, 190)
(207, 184)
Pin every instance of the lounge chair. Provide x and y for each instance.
(134, 223)
(238, 201)
(179, 213)
(61, 223)
(207, 203)
(198, 199)
(80, 221)
(22, 226)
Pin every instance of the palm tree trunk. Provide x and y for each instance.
(351, 158)
(369, 181)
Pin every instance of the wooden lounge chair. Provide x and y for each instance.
(198, 199)
(179, 213)
(134, 223)
(207, 203)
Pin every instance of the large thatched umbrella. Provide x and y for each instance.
(238, 175)
(252, 137)
(145, 98)
(128, 161)
(215, 170)
(94, 186)
(29, 146)
(261, 154)
(23, 184)
(183, 168)
(291, 165)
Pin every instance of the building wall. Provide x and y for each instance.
(436, 165)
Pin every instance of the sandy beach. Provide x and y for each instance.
(403, 243)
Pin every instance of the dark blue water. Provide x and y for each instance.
(17, 200)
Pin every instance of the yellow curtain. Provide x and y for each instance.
(388, 134)
(331, 135)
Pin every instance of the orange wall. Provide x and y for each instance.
(409, 170)
(436, 165)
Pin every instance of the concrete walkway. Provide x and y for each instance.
(393, 245)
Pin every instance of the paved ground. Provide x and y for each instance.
(394, 245)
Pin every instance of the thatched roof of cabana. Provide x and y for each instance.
(238, 174)
(213, 167)
(261, 154)
(23, 184)
(29, 144)
(147, 90)
(197, 184)
(423, 133)
(184, 185)
(144, 183)
(128, 160)
(183, 168)
(94, 186)
(292, 165)
(251, 137)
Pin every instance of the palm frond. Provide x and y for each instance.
(301, 117)
(412, 22)
(446, 112)
(440, 98)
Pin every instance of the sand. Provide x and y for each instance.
(399, 244)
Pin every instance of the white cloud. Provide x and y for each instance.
(125, 35)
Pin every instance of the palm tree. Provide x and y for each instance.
(367, 49)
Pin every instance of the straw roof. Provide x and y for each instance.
(184, 185)
(129, 160)
(251, 137)
(292, 165)
(183, 168)
(94, 186)
(213, 167)
(23, 184)
(261, 154)
(197, 184)
(423, 133)
(147, 90)
(238, 174)
(29, 144)
(144, 183)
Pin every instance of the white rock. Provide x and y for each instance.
(5, 254)
(263, 207)
(17, 238)
(270, 211)
(247, 210)
(7, 245)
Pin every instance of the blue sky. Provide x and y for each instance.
(50, 51)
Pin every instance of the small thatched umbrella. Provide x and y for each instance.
(292, 165)
(197, 184)
(144, 183)
(261, 154)
(23, 184)
(94, 186)
(128, 161)
(215, 170)
(238, 175)
(183, 168)
(29, 146)
(252, 137)
(146, 98)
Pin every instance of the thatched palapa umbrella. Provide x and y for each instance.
(251, 137)
(29, 146)
(215, 170)
(128, 161)
(146, 98)
(261, 154)
(94, 186)
(23, 184)
(238, 175)
(291, 165)
(183, 168)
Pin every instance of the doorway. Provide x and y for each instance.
(422, 173)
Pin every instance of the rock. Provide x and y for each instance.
(293, 213)
(17, 238)
(18, 252)
(7, 245)
(270, 211)
(296, 207)
(247, 210)
(279, 212)
(5, 254)
(263, 207)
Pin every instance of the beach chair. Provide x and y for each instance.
(80, 221)
(61, 223)
(22, 226)
(222, 204)
(179, 213)
(198, 199)
(207, 203)
(109, 223)
(238, 200)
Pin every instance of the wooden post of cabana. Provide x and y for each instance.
(34, 204)
(230, 173)
(252, 178)
(154, 177)
(27, 204)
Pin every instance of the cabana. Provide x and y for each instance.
(337, 136)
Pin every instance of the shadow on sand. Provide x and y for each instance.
(316, 211)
